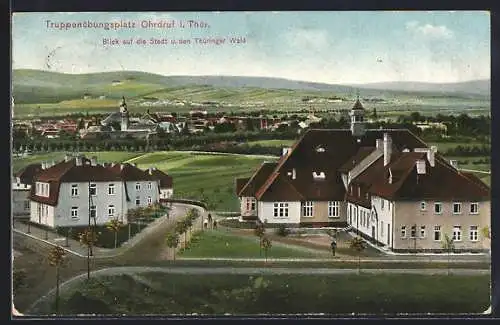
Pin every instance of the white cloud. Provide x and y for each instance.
(429, 30)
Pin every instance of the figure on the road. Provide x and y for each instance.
(333, 246)
(209, 218)
(205, 224)
(215, 224)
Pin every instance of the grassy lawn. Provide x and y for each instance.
(201, 174)
(222, 244)
(159, 293)
(102, 156)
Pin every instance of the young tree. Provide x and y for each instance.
(132, 216)
(56, 259)
(180, 228)
(88, 238)
(448, 245)
(266, 245)
(260, 231)
(173, 241)
(359, 246)
(115, 225)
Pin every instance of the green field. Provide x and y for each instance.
(164, 294)
(197, 175)
(223, 244)
(193, 175)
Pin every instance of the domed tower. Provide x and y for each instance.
(124, 112)
(357, 115)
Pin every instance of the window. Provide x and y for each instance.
(74, 189)
(93, 189)
(93, 211)
(111, 189)
(26, 205)
(457, 207)
(381, 228)
(413, 232)
(333, 209)
(150, 201)
(437, 233)
(422, 206)
(474, 208)
(307, 209)
(111, 211)
(438, 208)
(473, 233)
(281, 210)
(248, 203)
(422, 231)
(150, 185)
(137, 201)
(74, 213)
(382, 201)
(137, 186)
(457, 233)
(254, 204)
(403, 231)
(359, 191)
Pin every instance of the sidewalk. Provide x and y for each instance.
(76, 248)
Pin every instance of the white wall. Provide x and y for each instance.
(166, 193)
(384, 220)
(19, 198)
(101, 200)
(266, 211)
(142, 194)
(42, 213)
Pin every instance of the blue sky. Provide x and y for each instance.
(330, 47)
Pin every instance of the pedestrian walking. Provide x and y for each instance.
(215, 224)
(333, 246)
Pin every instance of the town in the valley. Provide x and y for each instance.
(152, 193)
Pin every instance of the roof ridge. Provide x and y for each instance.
(252, 177)
(458, 172)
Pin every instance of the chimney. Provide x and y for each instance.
(122, 166)
(421, 167)
(78, 160)
(150, 170)
(431, 154)
(93, 161)
(379, 144)
(52, 163)
(390, 176)
(294, 173)
(113, 164)
(454, 163)
(284, 151)
(387, 149)
(44, 165)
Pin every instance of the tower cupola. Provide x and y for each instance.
(357, 115)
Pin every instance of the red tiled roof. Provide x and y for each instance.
(28, 173)
(340, 146)
(240, 182)
(166, 181)
(441, 182)
(257, 179)
(362, 153)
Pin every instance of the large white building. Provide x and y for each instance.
(67, 193)
(21, 188)
(388, 185)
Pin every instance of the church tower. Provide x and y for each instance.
(124, 115)
(357, 115)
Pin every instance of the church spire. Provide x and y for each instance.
(357, 118)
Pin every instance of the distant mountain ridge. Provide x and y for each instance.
(38, 85)
(480, 87)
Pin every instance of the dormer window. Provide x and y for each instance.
(320, 149)
(319, 176)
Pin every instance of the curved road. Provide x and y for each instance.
(135, 270)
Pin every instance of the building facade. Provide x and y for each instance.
(78, 189)
(385, 184)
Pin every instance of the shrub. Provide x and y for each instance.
(282, 231)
